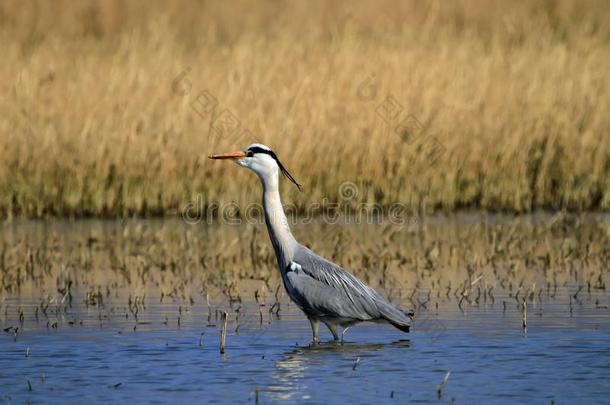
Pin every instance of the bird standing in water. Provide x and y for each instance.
(321, 289)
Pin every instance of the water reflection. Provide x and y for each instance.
(290, 375)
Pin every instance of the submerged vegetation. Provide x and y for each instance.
(110, 108)
(464, 261)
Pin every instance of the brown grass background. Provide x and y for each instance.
(95, 123)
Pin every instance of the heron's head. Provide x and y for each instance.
(260, 159)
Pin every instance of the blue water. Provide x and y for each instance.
(562, 357)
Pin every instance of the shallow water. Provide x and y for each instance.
(562, 357)
(165, 349)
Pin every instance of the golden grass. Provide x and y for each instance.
(94, 121)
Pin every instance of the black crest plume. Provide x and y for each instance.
(285, 172)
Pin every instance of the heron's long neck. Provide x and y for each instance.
(283, 242)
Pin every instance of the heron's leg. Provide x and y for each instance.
(333, 329)
(343, 333)
(315, 329)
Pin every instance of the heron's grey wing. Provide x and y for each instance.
(316, 298)
(327, 288)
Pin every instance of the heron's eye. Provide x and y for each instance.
(249, 153)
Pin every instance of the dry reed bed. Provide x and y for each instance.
(94, 122)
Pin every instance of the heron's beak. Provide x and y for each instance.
(230, 155)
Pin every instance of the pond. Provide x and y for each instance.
(106, 311)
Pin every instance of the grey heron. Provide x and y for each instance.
(324, 291)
